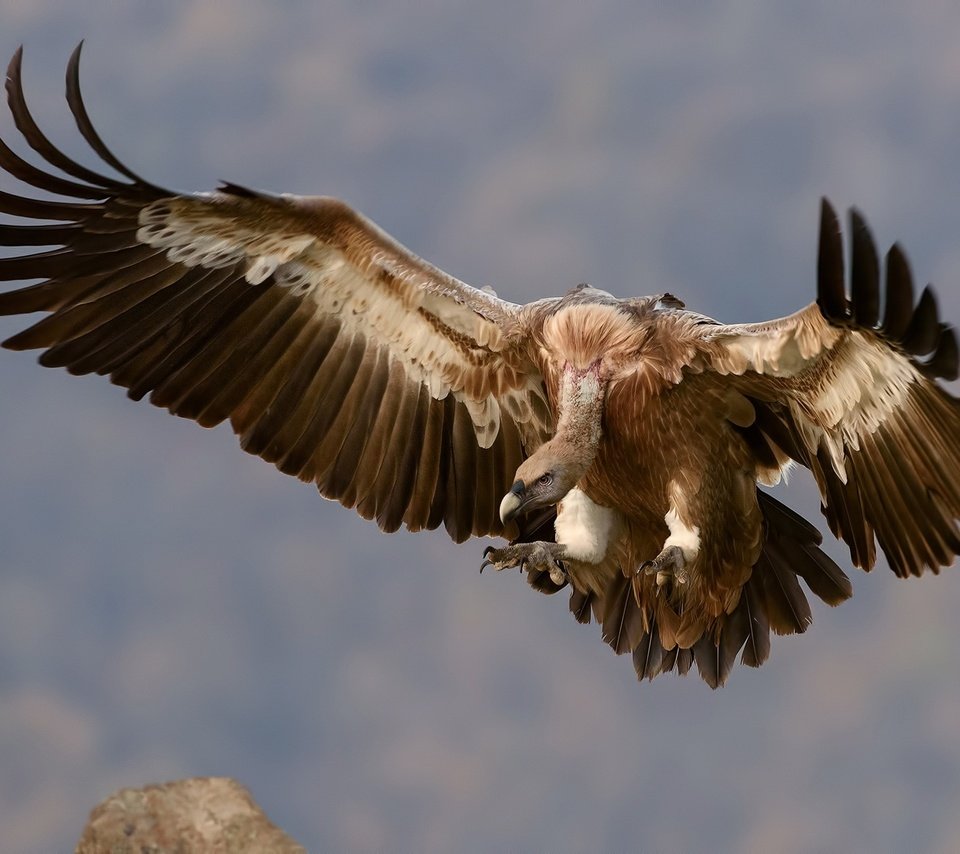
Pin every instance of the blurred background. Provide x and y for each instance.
(170, 606)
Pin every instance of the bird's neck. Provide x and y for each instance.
(580, 419)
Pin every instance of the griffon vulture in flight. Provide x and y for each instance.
(619, 445)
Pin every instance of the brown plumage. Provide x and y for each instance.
(620, 445)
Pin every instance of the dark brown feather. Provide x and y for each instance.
(864, 274)
(756, 650)
(288, 341)
(384, 500)
(36, 209)
(706, 653)
(462, 477)
(53, 234)
(734, 634)
(35, 177)
(419, 471)
(622, 620)
(580, 605)
(35, 138)
(278, 418)
(327, 392)
(240, 345)
(364, 476)
(945, 362)
(85, 126)
(277, 398)
(355, 435)
(899, 295)
(831, 294)
(924, 329)
(787, 608)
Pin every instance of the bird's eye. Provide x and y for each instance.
(545, 479)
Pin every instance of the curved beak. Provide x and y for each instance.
(512, 502)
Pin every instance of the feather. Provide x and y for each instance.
(864, 273)
(756, 650)
(648, 656)
(924, 329)
(622, 623)
(787, 608)
(899, 295)
(706, 654)
(831, 294)
(580, 605)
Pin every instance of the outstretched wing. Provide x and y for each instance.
(336, 353)
(856, 400)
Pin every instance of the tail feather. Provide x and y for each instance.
(772, 599)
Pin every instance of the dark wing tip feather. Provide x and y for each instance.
(899, 295)
(831, 295)
(864, 273)
(924, 329)
(85, 126)
(945, 362)
(915, 329)
(14, 66)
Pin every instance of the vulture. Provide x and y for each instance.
(618, 446)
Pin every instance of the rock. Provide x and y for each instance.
(201, 815)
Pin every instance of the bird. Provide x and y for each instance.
(620, 448)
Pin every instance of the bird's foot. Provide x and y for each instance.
(669, 567)
(543, 557)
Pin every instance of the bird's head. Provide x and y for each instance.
(541, 481)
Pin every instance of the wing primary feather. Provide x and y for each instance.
(864, 274)
(35, 138)
(139, 374)
(99, 347)
(36, 177)
(899, 294)
(34, 209)
(102, 300)
(85, 126)
(945, 362)
(831, 295)
(54, 234)
(238, 320)
(924, 329)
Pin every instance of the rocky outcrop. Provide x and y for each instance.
(200, 815)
